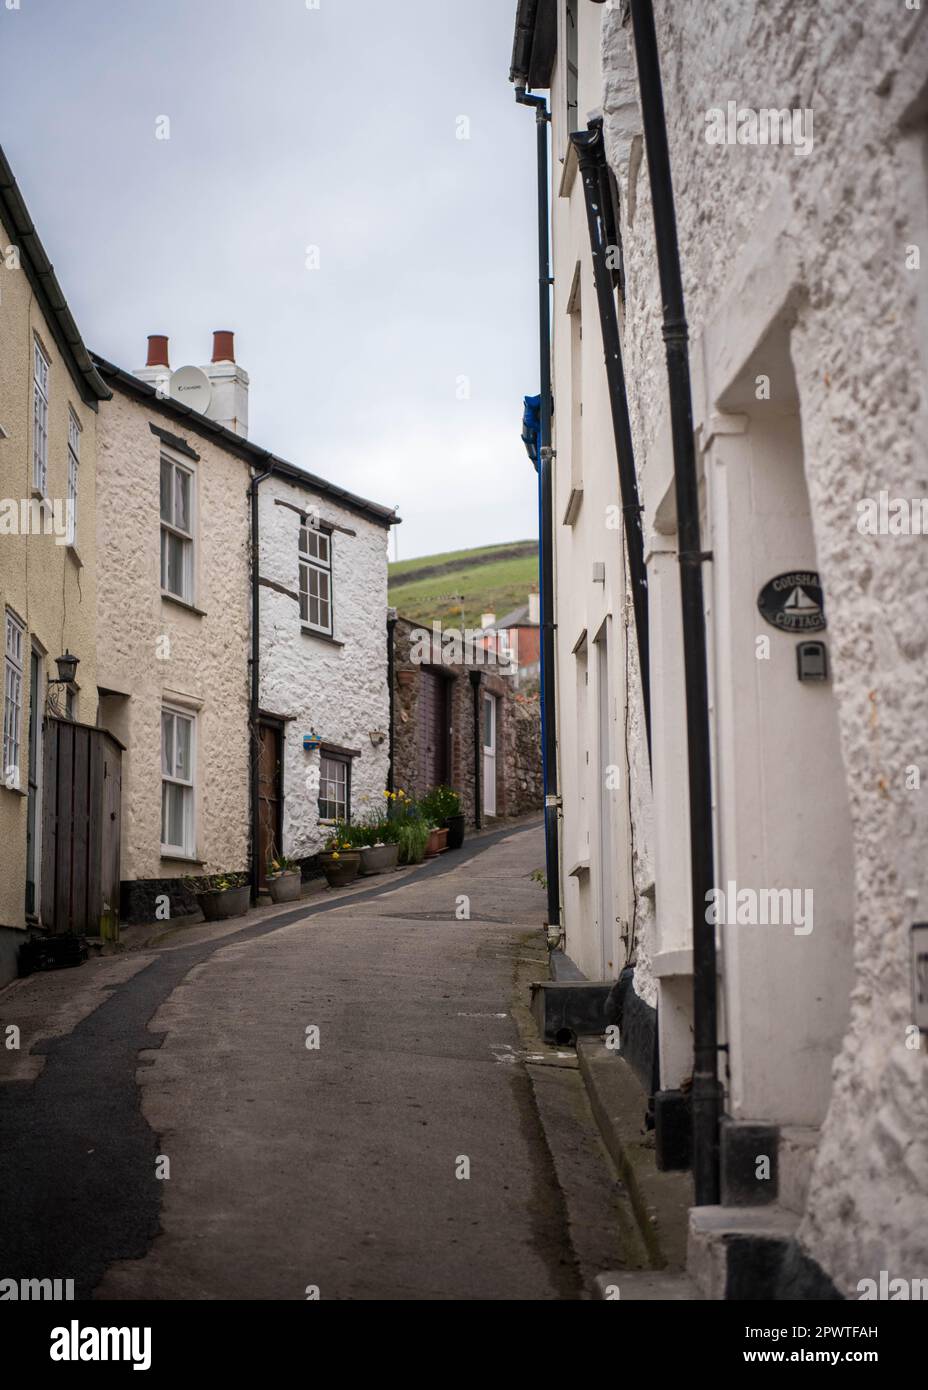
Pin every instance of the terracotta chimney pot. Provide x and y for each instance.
(157, 350)
(223, 345)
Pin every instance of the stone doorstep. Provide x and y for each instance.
(661, 1200)
(769, 1230)
(574, 1007)
(798, 1147)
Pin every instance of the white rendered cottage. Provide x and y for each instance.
(324, 711)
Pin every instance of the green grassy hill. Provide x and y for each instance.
(459, 585)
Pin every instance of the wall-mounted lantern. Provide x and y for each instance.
(67, 668)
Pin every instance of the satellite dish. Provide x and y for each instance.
(191, 386)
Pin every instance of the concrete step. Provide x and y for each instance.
(661, 1200)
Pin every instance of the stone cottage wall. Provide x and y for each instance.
(836, 224)
(519, 751)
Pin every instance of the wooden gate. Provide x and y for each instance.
(433, 730)
(80, 830)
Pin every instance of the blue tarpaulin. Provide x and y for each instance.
(531, 427)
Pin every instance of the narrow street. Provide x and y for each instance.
(292, 1166)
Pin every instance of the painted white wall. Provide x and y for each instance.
(816, 242)
(598, 900)
(338, 689)
(153, 651)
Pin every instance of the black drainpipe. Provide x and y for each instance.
(478, 809)
(591, 152)
(706, 1092)
(255, 703)
(545, 520)
(391, 664)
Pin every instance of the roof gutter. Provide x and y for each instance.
(42, 277)
(236, 444)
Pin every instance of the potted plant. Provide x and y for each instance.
(438, 806)
(340, 860)
(221, 895)
(444, 807)
(284, 880)
(379, 847)
(437, 841)
(409, 827)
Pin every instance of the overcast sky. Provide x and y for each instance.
(292, 127)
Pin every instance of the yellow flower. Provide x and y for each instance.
(401, 794)
(386, 793)
(335, 854)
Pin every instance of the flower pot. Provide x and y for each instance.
(226, 902)
(341, 870)
(437, 841)
(285, 887)
(455, 828)
(376, 859)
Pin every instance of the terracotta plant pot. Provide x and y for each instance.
(285, 887)
(455, 828)
(377, 859)
(226, 902)
(437, 841)
(343, 870)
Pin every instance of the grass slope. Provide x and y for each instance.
(489, 579)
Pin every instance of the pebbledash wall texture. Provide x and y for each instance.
(153, 651)
(823, 237)
(334, 687)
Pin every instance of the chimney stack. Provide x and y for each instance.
(229, 403)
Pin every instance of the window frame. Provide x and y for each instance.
(187, 850)
(75, 429)
(13, 699)
(571, 80)
(312, 563)
(171, 528)
(340, 760)
(41, 377)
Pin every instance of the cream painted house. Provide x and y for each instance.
(212, 782)
(173, 605)
(49, 397)
(808, 408)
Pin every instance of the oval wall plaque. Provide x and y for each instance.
(793, 602)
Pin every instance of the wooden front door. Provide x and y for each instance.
(270, 797)
(433, 730)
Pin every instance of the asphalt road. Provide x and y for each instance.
(169, 1134)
